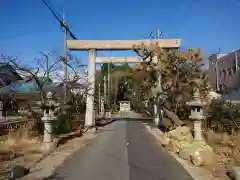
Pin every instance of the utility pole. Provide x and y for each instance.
(108, 83)
(65, 62)
(47, 68)
(236, 60)
(159, 83)
(99, 98)
(66, 30)
(158, 112)
(217, 71)
(158, 33)
(105, 87)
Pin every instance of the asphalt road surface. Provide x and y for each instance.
(122, 151)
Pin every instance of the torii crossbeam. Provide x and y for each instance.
(93, 45)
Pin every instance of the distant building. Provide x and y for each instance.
(224, 70)
(224, 73)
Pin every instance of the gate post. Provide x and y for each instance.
(89, 118)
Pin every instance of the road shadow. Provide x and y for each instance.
(54, 176)
(103, 123)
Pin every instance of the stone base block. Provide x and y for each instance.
(48, 146)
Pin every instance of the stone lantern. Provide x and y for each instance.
(48, 118)
(196, 106)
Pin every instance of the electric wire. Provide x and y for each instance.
(167, 24)
(190, 9)
(56, 15)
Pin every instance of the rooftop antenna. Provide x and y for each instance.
(158, 33)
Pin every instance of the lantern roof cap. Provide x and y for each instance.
(196, 103)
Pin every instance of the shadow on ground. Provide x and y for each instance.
(102, 123)
(53, 177)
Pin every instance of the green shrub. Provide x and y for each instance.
(63, 124)
(114, 108)
(223, 116)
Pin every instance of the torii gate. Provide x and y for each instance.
(92, 46)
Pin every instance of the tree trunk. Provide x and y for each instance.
(175, 119)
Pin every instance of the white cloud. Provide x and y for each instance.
(58, 76)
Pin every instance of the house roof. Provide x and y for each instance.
(4, 65)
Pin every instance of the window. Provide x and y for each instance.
(224, 74)
(233, 61)
(238, 61)
(234, 69)
(229, 72)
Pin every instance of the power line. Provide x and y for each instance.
(176, 15)
(33, 32)
(66, 30)
(190, 9)
(53, 13)
(25, 33)
(59, 15)
(56, 15)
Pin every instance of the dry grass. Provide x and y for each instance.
(227, 150)
(19, 147)
(22, 146)
(19, 142)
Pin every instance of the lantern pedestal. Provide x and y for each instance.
(48, 118)
(197, 124)
(47, 136)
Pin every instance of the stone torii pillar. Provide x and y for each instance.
(89, 117)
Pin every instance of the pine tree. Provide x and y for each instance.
(180, 74)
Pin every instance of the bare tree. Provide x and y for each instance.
(46, 68)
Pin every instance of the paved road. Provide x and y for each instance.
(123, 151)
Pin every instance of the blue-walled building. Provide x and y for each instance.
(8, 75)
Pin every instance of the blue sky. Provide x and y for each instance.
(27, 27)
